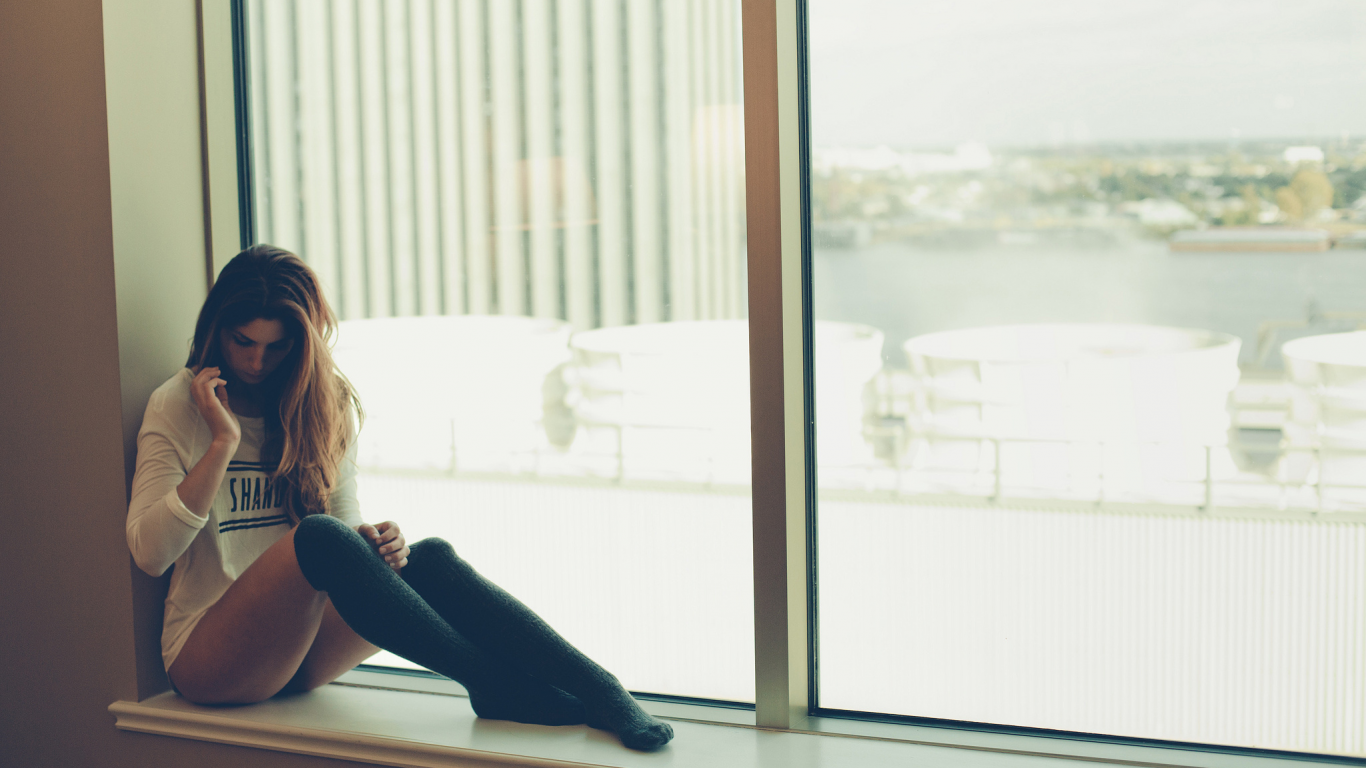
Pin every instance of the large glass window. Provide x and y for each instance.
(1103, 469)
(1086, 282)
(529, 215)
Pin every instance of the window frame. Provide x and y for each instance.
(784, 495)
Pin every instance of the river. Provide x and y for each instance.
(908, 289)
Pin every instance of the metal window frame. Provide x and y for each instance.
(225, 131)
(780, 323)
(777, 156)
(782, 428)
(782, 384)
(241, 77)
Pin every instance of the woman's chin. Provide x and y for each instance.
(250, 381)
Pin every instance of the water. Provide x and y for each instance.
(908, 289)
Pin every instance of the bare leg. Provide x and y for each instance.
(254, 639)
(275, 628)
(336, 650)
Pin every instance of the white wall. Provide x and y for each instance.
(97, 287)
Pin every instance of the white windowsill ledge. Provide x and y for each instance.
(402, 728)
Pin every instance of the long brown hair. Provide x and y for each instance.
(310, 431)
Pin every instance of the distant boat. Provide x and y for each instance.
(1235, 239)
(1352, 240)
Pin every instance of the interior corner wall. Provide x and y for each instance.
(151, 65)
(102, 255)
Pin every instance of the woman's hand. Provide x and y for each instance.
(210, 394)
(388, 541)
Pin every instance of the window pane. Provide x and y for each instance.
(1109, 477)
(530, 217)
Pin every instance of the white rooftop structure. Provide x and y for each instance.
(672, 400)
(1065, 408)
(1304, 154)
(1326, 433)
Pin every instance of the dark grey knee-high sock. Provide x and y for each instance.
(384, 610)
(501, 625)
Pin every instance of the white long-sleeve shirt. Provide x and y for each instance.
(247, 515)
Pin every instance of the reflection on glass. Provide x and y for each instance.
(1119, 429)
(516, 208)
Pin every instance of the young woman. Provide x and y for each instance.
(246, 482)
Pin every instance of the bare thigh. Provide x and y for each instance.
(256, 638)
(336, 649)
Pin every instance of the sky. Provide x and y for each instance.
(937, 73)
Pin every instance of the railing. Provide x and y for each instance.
(886, 479)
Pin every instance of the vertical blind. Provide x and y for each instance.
(579, 159)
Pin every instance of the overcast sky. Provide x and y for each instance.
(935, 73)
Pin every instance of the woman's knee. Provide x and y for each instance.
(431, 547)
(318, 526)
(322, 541)
(431, 552)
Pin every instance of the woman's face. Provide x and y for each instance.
(253, 351)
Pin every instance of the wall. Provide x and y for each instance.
(96, 294)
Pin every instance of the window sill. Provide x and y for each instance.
(383, 726)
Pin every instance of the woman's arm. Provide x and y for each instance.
(169, 505)
(200, 486)
(160, 526)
